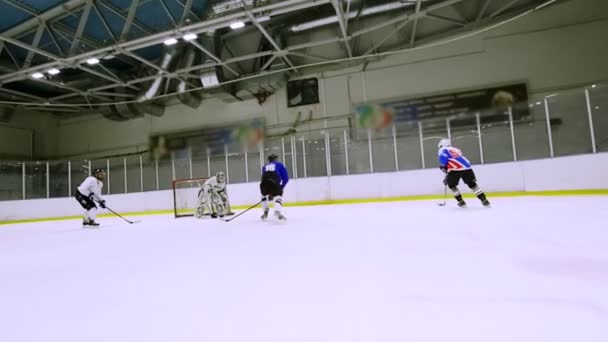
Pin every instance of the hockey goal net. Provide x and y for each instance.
(185, 196)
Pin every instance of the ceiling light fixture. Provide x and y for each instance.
(92, 61)
(170, 41)
(190, 36)
(237, 25)
(37, 75)
(53, 71)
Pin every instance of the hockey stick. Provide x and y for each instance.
(242, 212)
(445, 196)
(117, 214)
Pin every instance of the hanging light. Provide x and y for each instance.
(170, 41)
(37, 75)
(53, 71)
(190, 36)
(237, 25)
(92, 61)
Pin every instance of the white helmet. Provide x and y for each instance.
(444, 143)
(221, 178)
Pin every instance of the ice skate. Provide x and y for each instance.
(90, 224)
(485, 203)
(279, 216)
(265, 215)
(462, 204)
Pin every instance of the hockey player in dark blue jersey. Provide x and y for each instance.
(456, 166)
(274, 179)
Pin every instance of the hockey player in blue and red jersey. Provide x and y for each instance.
(456, 166)
(274, 179)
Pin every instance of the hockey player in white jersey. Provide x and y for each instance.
(213, 197)
(87, 193)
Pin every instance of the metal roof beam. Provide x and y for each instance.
(404, 19)
(187, 8)
(214, 57)
(169, 15)
(446, 19)
(130, 17)
(482, 11)
(157, 38)
(415, 24)
(503, 8)
(42, 17)
(84, 17)
(342, 22)
(35, 43)
(270, 40)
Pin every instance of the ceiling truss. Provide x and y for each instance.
(124, 45)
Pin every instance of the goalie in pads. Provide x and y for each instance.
(213, 198)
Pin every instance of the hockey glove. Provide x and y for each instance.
(102, 204)
(443, 168)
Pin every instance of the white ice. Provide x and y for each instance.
(527, 269)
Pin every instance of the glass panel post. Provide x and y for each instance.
(172, 165)
(48, 178)
(327, 154)
(510, 111)
(156, 170)
(294, 159)
(394, 129)
(69, 178)
(304, 156)
(124, 160)
(369, 147)
(141, 172)
(227, 168)
(261, 148)
(208, 162)
(346, 151)
(448, 128)
(246, 149)
(420, 136)
(283, 150)
(108, 168)
(23, 180)
(190, 160)
(478, 121)
(590, 116)
(548, 121)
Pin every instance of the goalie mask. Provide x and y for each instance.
(221, 178)
(443, 143)
(99, 174)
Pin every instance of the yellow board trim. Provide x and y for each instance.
(591, 192)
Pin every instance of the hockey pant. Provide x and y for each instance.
(468, 177)
(88, 204)
(271, 190)
(210, 202)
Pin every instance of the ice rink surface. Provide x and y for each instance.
(527, 269)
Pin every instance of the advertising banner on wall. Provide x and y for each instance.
(199, 140)
(459, 106)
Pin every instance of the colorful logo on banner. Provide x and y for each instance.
(374, 116)
(250, 133)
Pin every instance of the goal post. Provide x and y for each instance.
(185, 196)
